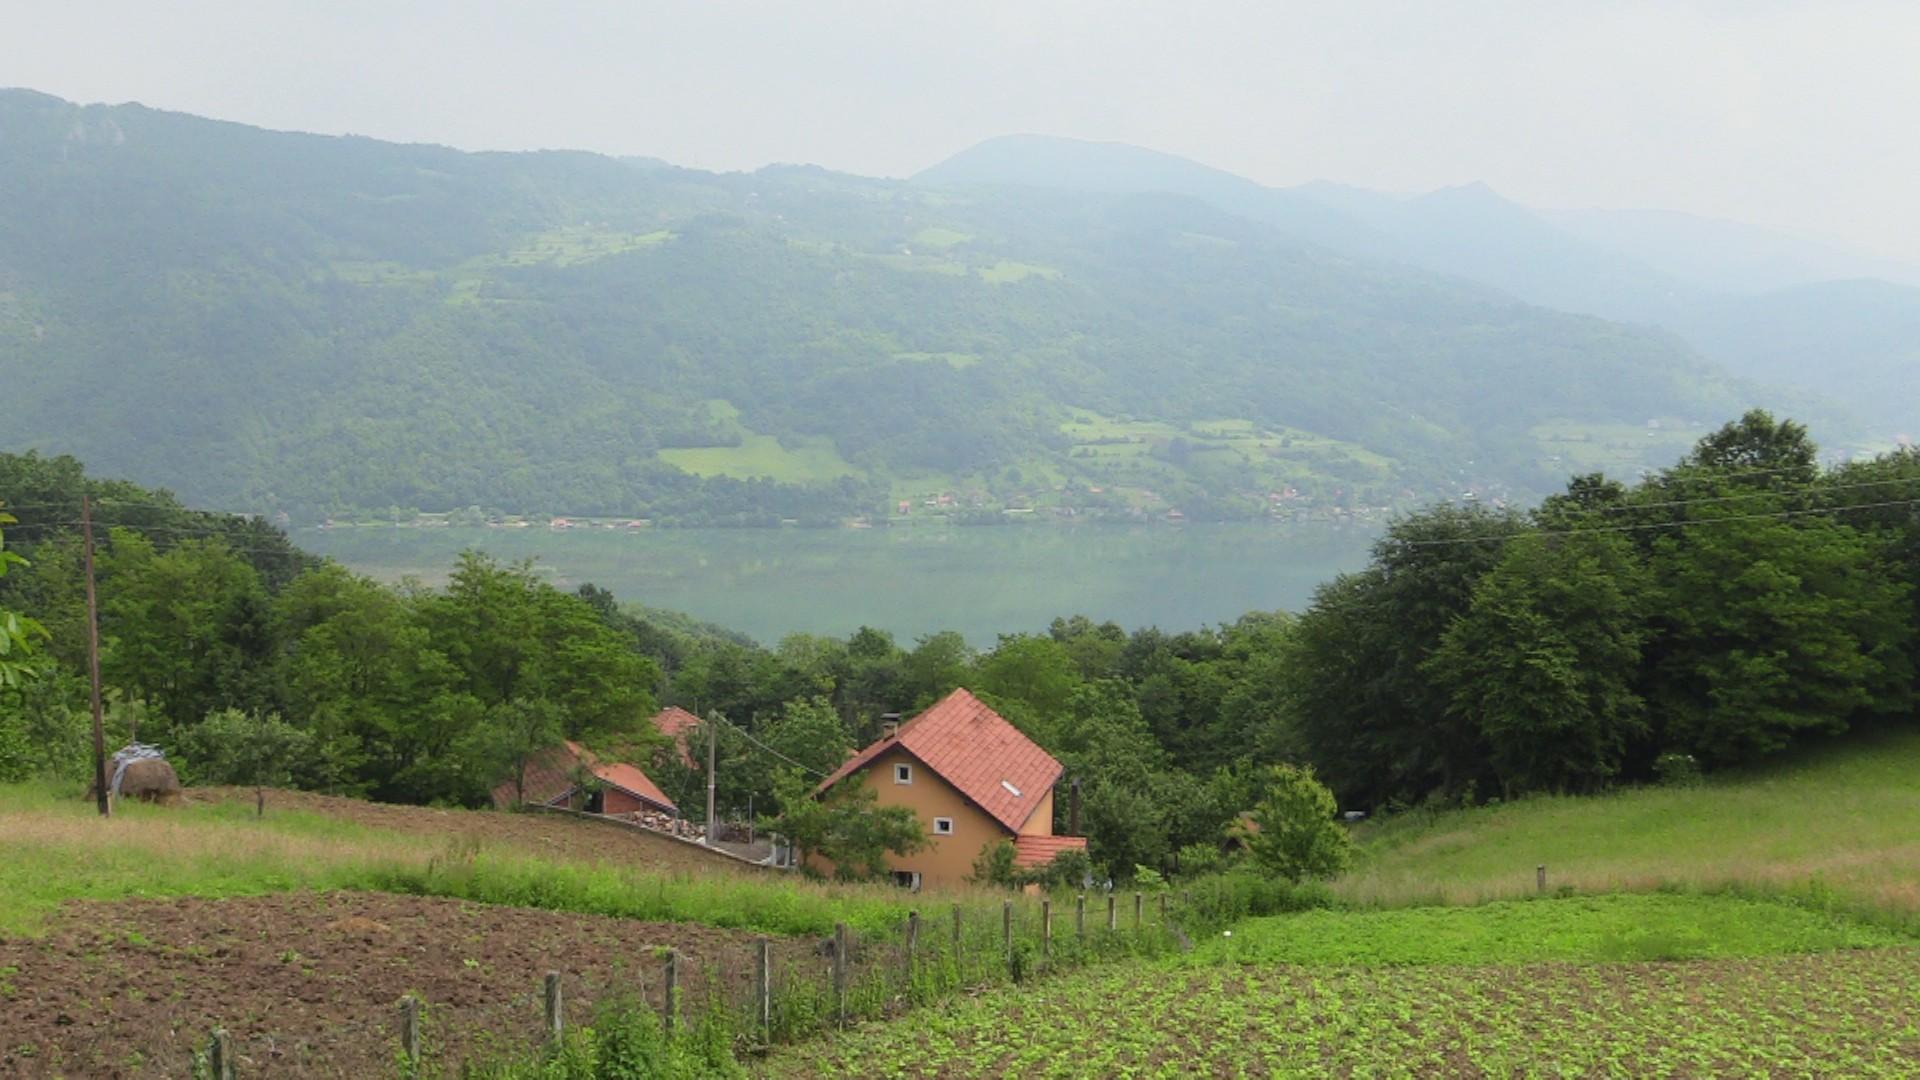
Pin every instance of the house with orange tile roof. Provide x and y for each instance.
(677, 724)
(972, 779)
(554, 777)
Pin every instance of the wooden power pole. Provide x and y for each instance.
(93, 661)
(713, 742)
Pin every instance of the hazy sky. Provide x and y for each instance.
(1800, 115)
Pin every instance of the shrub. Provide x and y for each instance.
(1295, 834)
(1674, 769)
(1199, 860)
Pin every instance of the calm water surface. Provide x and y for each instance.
(981, 581)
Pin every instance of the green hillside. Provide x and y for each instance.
(265, 321)
(1840, 818)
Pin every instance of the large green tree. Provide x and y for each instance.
(1545, 661)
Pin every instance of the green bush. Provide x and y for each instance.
(1199, 860)
(1295, 834)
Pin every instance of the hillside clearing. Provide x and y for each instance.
(1842, 818)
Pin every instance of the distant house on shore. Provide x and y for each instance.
(559, 776)
(972, 779)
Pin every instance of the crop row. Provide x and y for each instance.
(1838, 1014)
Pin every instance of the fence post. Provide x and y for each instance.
(1137, 901)
(959, 971)
(763, 988)
(1006, 933)
(410, 1029)
(670, 1000)
(1080, 916)
(1046, 927)
(556, 1017)
(913, 945)
(1113, 919)
(840, 972)
(1163, 909)
(220, 1055)
(1540, 878)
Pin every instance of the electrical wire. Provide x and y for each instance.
(743, 734)
(1691, 523)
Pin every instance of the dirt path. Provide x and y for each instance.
(307, 984)
(555, 835)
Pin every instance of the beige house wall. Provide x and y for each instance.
(947, 860)
(1041, 823)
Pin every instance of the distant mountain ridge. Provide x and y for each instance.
(1711, 282)
(276, 321)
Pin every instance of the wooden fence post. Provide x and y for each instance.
(763, 988)
(1046, 927)
(1006, 933)
(670, 1000)
(959, 970)
(840, 972)
(1113, 919)
(913, 945)
(1540, 878)
(410, 1029)
(220, 1055)
(1080, 916)
(1163, 909)
(556, 1016)
(1137, 901)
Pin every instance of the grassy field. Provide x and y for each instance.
(1577, 929)
(812, 461)
(53, 849)
(1841, 819)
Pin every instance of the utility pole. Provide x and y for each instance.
(713, 742)
(93, 661)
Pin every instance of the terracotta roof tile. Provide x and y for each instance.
(549, 778)
(635, 783)
(677, 723)
(973, 748)
(1031, 851)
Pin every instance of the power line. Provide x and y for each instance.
(1555, 533)
(1810, 489)
(743, 734)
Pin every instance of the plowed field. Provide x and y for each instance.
(307, 984)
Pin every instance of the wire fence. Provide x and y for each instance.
(769, 991)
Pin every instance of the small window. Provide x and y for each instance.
(907, 879)
(903, 774)
(943, 826)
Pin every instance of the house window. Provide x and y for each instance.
(903, 774)
(907, 879)
(943, 826)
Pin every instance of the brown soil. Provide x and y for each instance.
(577, 837)
(308, 984)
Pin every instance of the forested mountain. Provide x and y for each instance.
(263, 320)
(1828, 325)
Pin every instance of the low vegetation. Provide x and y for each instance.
(1839, 820)
(1842, 1014)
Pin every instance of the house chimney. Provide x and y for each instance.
(890, 724)
(1073, 808)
